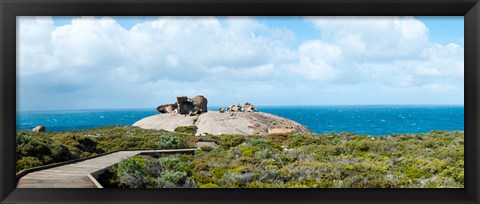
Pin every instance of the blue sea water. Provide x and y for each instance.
(369, 120)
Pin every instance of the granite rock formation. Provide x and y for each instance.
(216, 123)
(235, 108)
(236, 119)
(39, 129)
(167, 108)
(200, 104)
(248, 107)
(185, 106)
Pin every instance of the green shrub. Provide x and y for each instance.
(173, 163)
(344, 160)
(177, 177)
(228, 141)
(130, 173)
(27, 162)
(206, 148)
(186, 129)
(209, 185)
(170, 142)
(85, 154)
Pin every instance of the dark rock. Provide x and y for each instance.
(221, 110)
(185, 106)
(234, 108)
(200, 104)
(167, 108)
(182, 99)
(39, 129)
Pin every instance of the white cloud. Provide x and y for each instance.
(395, 51)
(315, 69)
(97, 58)
(262, 72)
(189, 45)
(171, 61)
(374, 37)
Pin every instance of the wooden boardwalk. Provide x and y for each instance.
(76, 175)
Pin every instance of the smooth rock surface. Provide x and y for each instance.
(216, 123)
(166, 122)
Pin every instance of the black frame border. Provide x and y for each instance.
(9, 9)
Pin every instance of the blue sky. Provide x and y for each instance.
(141, 62)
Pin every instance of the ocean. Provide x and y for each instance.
(369, 120)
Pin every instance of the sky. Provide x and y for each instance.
(69, 63)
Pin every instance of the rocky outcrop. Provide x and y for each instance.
(235, 108)
(185, 106)
(216, 123)
(236, 119)
(39, 129)
(248, 107)
(200, 104)
(166, 122)
(167, 108)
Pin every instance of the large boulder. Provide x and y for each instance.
(39, 129)
(167, 108)
(200, 104)
(185, 105)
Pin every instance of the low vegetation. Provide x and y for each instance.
(431, 160)
(35, 149)
(186, 129)
(332, 160)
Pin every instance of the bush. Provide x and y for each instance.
(172, 163)
(228, 141)
(209, 185)
(206, 148)
(85, 154)
(170, 142)
(27, 162)
(177, 177)
(130, 173)
(344, 160)
(186, 129)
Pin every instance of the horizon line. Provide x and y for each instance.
(86, 109)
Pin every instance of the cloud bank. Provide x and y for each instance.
(96, 63)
